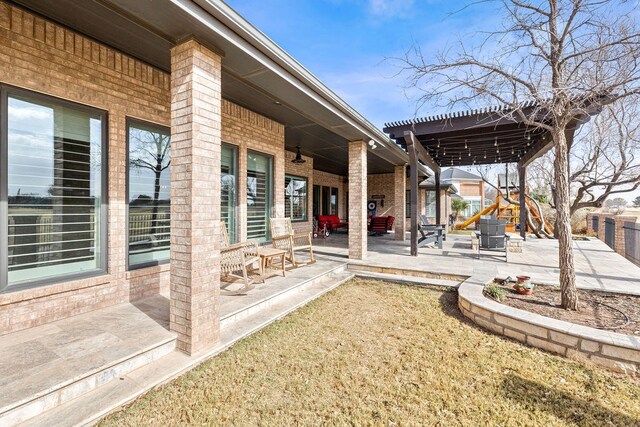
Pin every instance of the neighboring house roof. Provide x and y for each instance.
(430, 184)
(452, 174)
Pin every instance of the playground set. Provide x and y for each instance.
(504, 207)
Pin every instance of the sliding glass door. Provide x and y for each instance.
(259, 195)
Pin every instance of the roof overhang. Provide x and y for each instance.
(257, 73)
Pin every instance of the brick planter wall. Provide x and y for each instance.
(615, 351)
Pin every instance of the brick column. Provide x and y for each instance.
(195, 196)
(358, 200)
(620, 240)
(400, 193)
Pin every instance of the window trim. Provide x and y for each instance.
(103, 261)
(129, 121)
(306, 197)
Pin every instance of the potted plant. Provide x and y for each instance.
(523, 285)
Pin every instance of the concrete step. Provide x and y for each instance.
(90, 407)
(417, 277)
(261, 298)
(63, 360)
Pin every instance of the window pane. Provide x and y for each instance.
(54, 189)
(149, 194)
(431, 204)
(334, 201)
(326, 198)
(295, 198)
(228, 191)
(316, 200)
(259, 196)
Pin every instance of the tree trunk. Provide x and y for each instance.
(563, 223)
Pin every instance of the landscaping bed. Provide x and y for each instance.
(601, 310)
(374, 353)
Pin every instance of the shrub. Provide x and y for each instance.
(496, 292)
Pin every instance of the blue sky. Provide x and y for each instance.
(345, 43)
(350, 44)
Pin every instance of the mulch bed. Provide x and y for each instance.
(612, 312)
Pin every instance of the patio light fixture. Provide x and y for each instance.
(298, 160)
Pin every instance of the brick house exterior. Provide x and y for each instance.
(48, 58)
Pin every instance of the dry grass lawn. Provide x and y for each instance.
(371, 353)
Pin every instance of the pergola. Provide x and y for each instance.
(469, 138)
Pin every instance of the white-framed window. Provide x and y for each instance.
(295, 197)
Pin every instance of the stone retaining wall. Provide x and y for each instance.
(615, 351)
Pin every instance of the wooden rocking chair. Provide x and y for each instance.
(283, 237)
(237, 258)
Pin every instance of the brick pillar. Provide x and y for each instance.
(619, 224)
(589, 223)
(195, 195)
(358, 200)
(400, 193)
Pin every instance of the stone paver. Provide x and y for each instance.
(597, 266)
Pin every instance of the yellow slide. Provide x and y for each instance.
(487, 211)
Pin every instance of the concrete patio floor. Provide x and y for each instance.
(597, 265)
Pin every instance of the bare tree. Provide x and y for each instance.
(568, 58)
(603, 159)
(152, 152)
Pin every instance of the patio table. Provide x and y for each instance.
(267, 255)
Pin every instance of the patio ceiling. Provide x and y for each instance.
(257, 74)
(473, 137)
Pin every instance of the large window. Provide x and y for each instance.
(431, 204)
(474, 207)
(149, 193)
(259, 195)
(52, 189)
(295, 198)
(228, 174)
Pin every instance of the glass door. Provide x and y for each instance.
(316, 200)
(228, 174)
(326, 199)
(259, 195)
